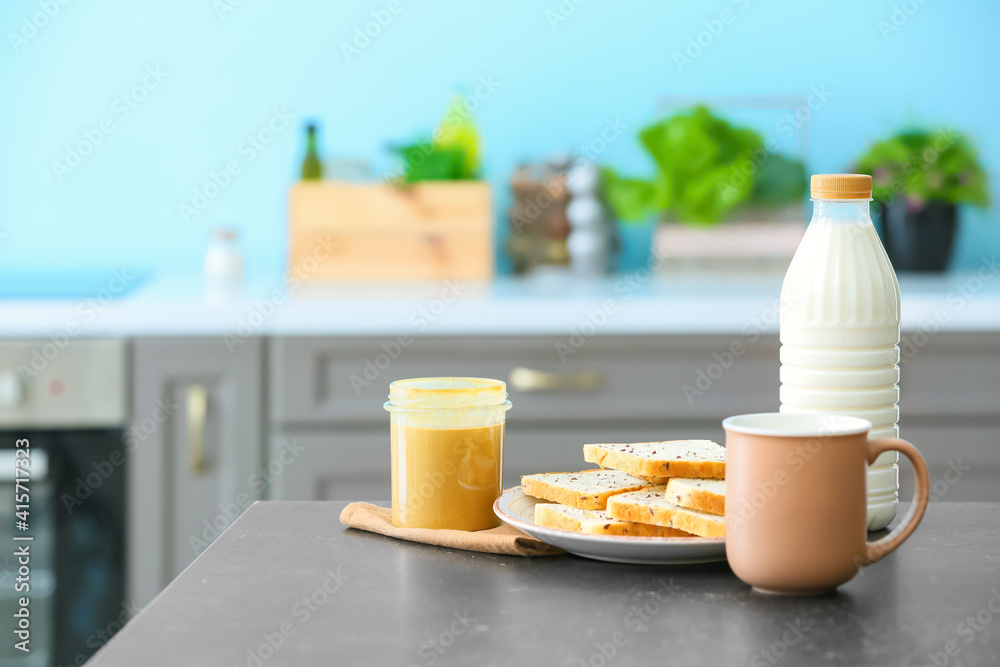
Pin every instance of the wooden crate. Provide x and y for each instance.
(374, 231)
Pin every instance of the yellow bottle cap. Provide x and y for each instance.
(841, 186)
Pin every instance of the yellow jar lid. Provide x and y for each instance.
(436, 393)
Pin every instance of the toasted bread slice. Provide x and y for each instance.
(653, 480)
(674, 458)
(707, 495)
(651, 506)
(597, 522)
(585, 490)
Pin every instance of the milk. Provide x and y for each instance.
(839, 320)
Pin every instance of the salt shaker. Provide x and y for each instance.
(223, 265)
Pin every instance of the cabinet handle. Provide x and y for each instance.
(197, 409)
(529, 379)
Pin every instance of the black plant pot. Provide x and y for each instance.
(918, 240)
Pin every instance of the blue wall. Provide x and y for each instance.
(226, 72)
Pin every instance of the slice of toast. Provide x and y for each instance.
(585, 490)
(651, 506)
(653, 480)
(707, 495)
(597, 522)
(674, 458)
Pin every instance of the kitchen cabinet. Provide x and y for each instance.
(348, 464)
(194, 451)
(333, 381)
(963, 459)
(209, 436)
(949, 404)
(353, 464)
(326, 394)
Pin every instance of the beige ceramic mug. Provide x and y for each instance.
(796, 501)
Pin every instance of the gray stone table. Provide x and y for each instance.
(287, 584)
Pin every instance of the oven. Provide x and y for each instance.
(63, 413)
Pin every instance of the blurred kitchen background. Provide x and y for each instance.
(227, 225)
(557, 73)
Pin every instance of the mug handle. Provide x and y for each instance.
(882, 547)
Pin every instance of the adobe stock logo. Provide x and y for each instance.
(900, 16)
(30, 25)
(248, 150)
(363, 35)
(712, 30)
(121, 109)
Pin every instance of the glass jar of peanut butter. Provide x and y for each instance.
(447, 451)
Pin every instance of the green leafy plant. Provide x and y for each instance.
(452, 154)
(705, 167)
(425, 161)
(926, 166)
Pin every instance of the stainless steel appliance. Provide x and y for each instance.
(67, 398)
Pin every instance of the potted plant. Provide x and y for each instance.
(709, 171)
(919, 179)
(451, 155)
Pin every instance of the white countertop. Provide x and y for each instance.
(635, 303)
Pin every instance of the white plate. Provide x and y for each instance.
(516, 508)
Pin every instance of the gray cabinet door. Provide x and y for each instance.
(194, 451)
(612, 388)
(342, 465)
(963, 459)
(325, 381)
(353, 464)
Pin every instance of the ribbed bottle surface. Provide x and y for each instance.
(839, 322)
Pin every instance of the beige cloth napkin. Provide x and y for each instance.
(503, 539)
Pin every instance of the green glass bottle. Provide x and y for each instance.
(312, 168)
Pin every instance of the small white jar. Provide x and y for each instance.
(223, 265)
